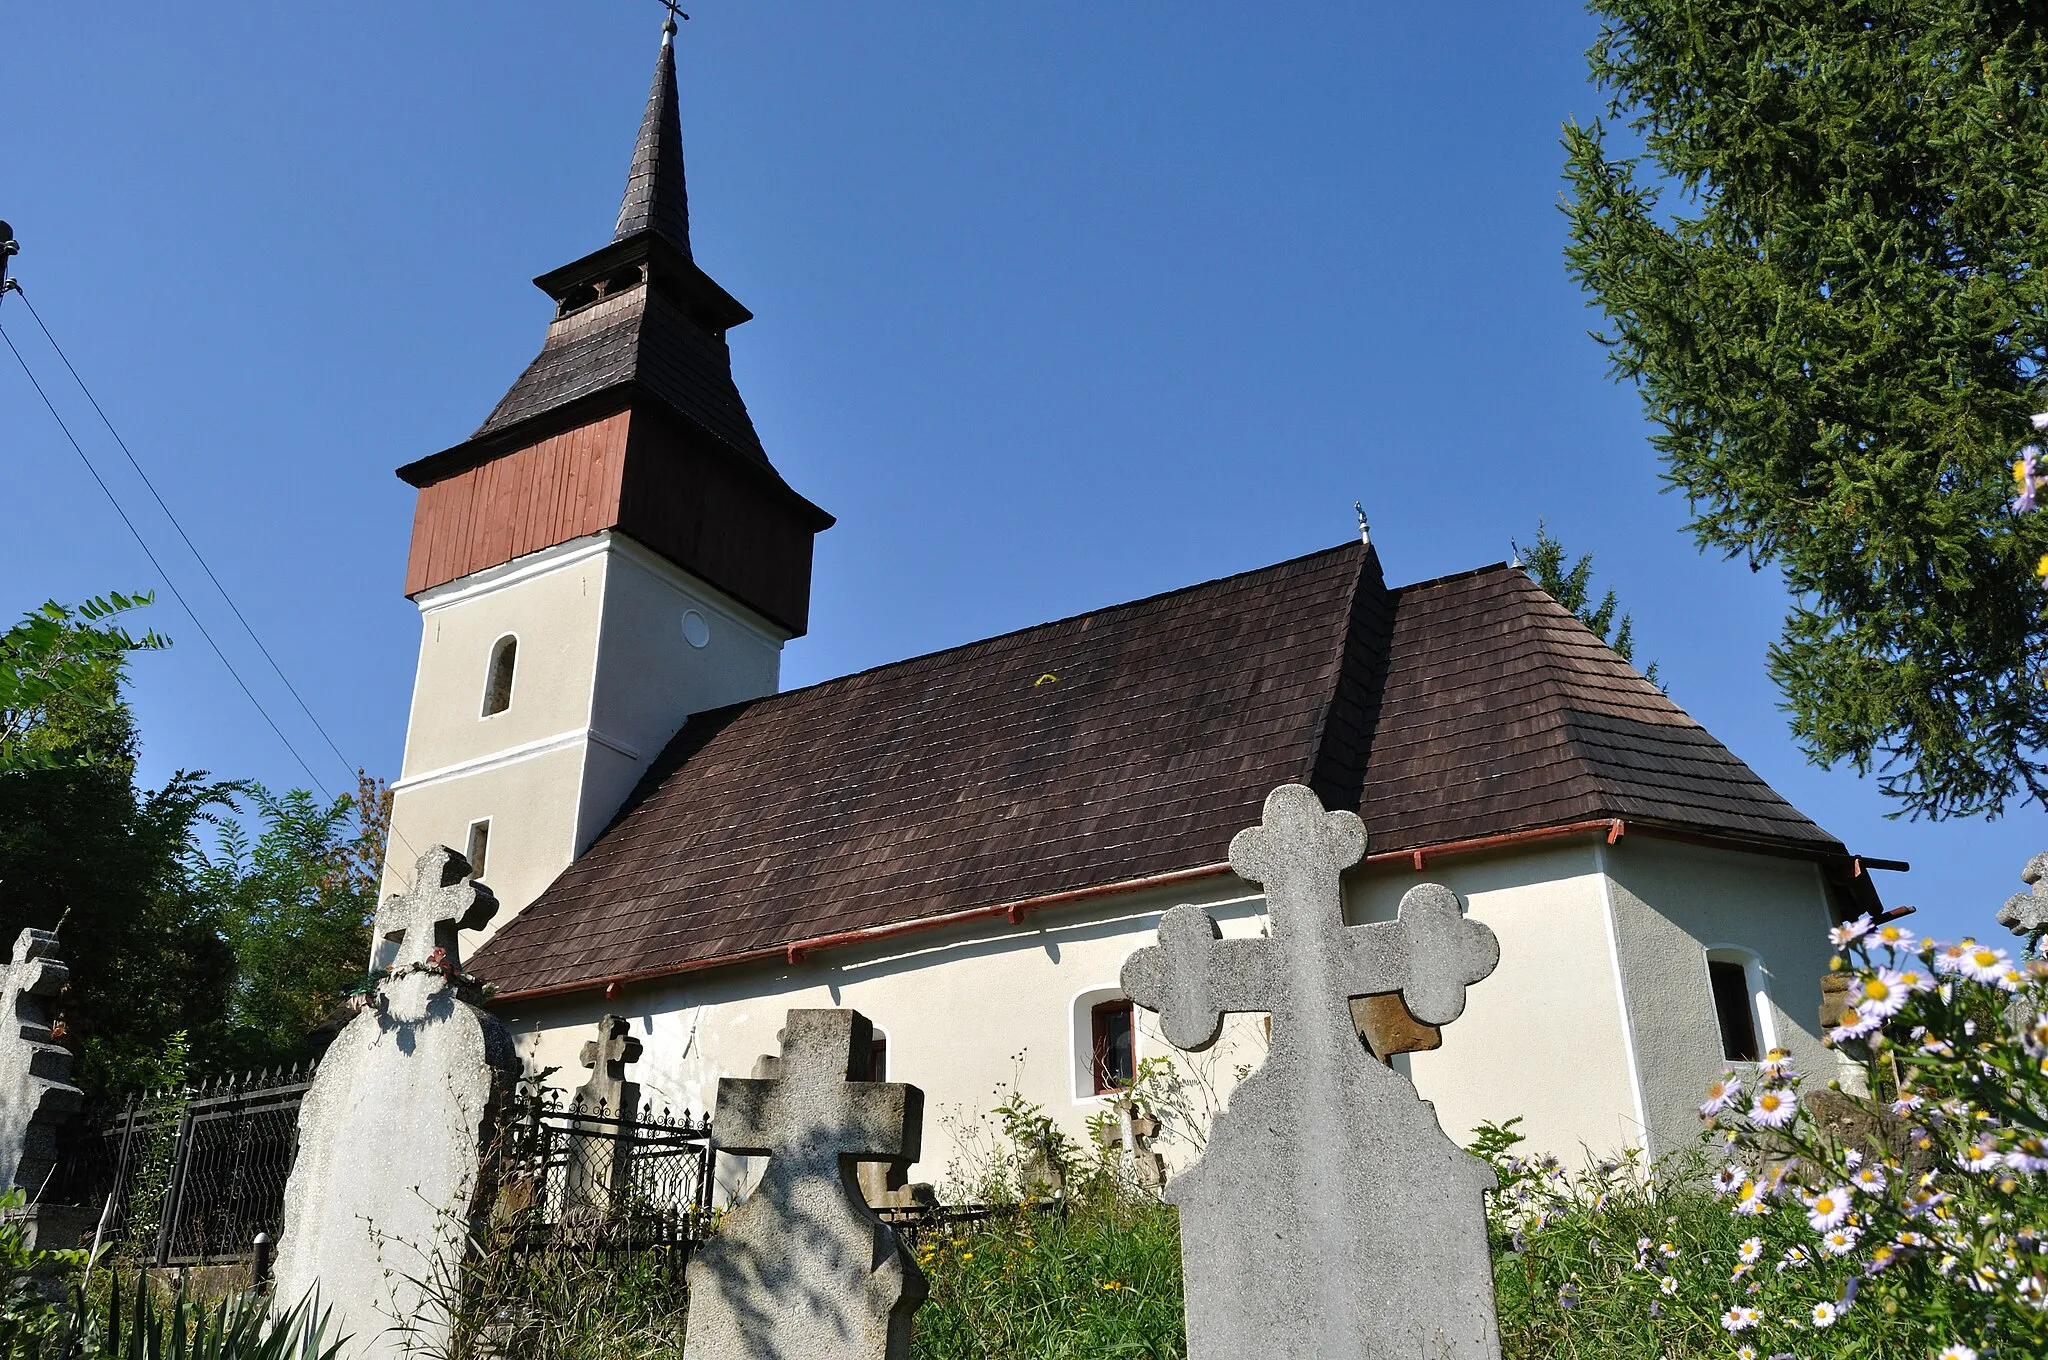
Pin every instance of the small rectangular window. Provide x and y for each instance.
(479, 846)
(1733, 1007)
(1115, 1057)
(878, 1059)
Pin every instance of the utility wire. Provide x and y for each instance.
(166, 576)
(233, 608)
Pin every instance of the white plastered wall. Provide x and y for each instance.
(605, 674)
(1545, 1037)
(974, 1012)
(1673, 903)
(971, 1014)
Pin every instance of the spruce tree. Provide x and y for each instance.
(1823, 275)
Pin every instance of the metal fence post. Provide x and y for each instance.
(167, 1230)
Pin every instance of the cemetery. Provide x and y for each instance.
(1299, 961)
(419, 1194)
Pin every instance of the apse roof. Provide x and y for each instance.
(1129, 742)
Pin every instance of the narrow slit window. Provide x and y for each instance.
(498, 684)
(1115, 1051)
(479, 847)
(1735, 1009)
(878, 1059)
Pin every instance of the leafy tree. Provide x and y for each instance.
(1572, 587)
(232, 958)
(295, 904)
(60, 673)
(82, 846)
(1826, 284)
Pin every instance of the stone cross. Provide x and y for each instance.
(398, 1131)
(35, 1072)
(803, 1268)
(442, 902)
(601, 1150)
(1372, 1229)
(2026, 914)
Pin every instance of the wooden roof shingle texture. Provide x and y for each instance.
(1457, 708)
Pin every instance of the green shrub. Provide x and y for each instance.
(1907, 1224)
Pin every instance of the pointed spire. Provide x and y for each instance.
(655, 196)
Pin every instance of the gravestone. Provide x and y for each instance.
(378, 1209)
(1329, 1216)
(601, 1151)
(36, 1094)
(803, 1269)
(2026, 914)
(1127, 1133)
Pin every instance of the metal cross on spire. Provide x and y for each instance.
(668, 26)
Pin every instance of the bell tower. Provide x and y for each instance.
(610, 552)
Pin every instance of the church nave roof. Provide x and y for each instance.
(1129, 742)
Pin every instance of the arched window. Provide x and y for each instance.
(1742, 1003)
(1115, 1044)
(479, 852)
(498, 683)
(1105, 1041)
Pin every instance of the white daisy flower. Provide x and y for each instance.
(1751, 1248)
(1667, 1285)
(1950, 957)
(1721, 1095)
(1850, 932)
(1748, 1353)
(1828, 1208)
(1727, 1180)
(1869, 1179)
(1824, 1314)
(1894, 936)
(1986, 964)
(1856, 1022)
(1776, 1063)
(1880, 994)
(1840, 1242)
(1739, 1319)
(1773, 1109)
(1957, 1351)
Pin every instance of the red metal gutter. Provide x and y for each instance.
(1613, 826)
(794, 952)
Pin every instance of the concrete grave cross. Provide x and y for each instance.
(803, 1268)
(601, 1148)
(36, 1094)
(607, 1056)
(32, 977)
(1305, 972)
(812, 1112)
(1371, 1239)
(442, 902)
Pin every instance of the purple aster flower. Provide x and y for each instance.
(2024, 472)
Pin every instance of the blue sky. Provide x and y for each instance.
(1057, 305)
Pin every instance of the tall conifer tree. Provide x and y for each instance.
(1825, 278)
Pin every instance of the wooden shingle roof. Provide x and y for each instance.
(1124, 743)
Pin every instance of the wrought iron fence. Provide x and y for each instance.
(187, 1176)
(603, 1180)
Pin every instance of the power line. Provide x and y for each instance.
(166, 576)
(197, 556)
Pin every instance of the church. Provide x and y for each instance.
(966, 846)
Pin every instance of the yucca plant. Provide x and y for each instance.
(141, 1328)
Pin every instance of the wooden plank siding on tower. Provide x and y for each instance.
(564, 487)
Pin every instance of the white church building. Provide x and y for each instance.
(966, 846)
